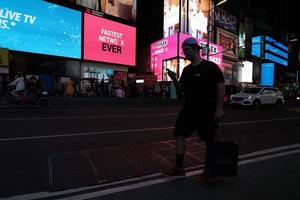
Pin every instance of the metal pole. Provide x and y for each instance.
(207, 44)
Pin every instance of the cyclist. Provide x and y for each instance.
(19, 82)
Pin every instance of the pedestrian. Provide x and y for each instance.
(202, 84)
(19, 84)
(69, 88)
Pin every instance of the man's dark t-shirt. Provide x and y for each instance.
(199, 84)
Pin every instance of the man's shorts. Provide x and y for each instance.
(189, 120)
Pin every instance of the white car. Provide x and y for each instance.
(257, 96)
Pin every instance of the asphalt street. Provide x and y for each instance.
(29, 136)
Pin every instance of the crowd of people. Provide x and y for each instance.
(86, 87)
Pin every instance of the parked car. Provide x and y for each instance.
(257, 96)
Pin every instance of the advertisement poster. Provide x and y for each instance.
(162, 50)
(198, 17)
(215, 51)
(167, 48)
(40, 27)
(225, 20)
(229, 41)
(108, 41)
(4, 60)
(171, 17)
(125, 9)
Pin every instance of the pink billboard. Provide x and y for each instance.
(108, 41)
(166, 49)
(162, 50)
(215, 51)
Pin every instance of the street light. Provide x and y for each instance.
(208, 25)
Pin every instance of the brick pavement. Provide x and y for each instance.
(83, 168)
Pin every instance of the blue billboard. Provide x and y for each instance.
(256, 46)
(274, 42)
(41, 27)
(267, 74)
(276, 59)
(276, 51)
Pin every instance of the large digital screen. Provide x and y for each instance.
(256, 46)
(171, 17)
(274, 42)
(198, 17)
(215, 51)
(267, 74)
(162, 50)
(168, 48)
(37, 26)
(247, 72)
(108, 41)
(276, 51)
(125, 9)
(276, 59)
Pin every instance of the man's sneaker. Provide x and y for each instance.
(175, 171)
(202, 178)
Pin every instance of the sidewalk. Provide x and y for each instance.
(274, 179)
(105, 165)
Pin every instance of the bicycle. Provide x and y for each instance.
(41, 100)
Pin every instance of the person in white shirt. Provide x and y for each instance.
(92, 4)
(197, 20)
(19, 82)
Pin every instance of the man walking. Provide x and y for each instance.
(202, 83)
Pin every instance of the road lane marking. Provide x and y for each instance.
(87, 117)
(132, 130)
(146, 183)
(84, 134)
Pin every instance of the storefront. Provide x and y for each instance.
(104, 71)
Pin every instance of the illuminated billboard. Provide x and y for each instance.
(167, 48)
(269, 49)
(108, 41)
(276, 59)
(274, 42)
(256, 46)
(229, 41)
(197, 17)
(247, 72)
(162, 50)
(171, 17)
(40, 27)
(225, 20)
(125, 9)
(276, 51)
(267, 74)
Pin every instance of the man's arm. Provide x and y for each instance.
(13, 83)
(172, 75)
(219, 114)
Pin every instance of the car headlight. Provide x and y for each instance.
(250, 97)
(298, 98)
